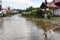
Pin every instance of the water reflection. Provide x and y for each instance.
(47, 25)
(1, 28)
(1, 23)
(57, 30)
(36, 33)
(19, 28)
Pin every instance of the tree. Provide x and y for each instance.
(40, 13)
(34, 13)
(29, 9)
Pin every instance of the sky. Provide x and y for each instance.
(22, 4)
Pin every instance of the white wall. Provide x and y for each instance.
(56, 11)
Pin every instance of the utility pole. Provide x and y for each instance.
(0, 5)
(45, 8)
(45, 17)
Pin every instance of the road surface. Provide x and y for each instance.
(18, 28)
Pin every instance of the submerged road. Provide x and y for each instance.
(18, 28)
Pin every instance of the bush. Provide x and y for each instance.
(11, 13)
(40, 13)
(26, 14)
(33, 13)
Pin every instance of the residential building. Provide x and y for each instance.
(54, 6)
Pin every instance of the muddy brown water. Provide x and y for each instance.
(19, 28)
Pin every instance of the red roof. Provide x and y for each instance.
(52, 4)
(56, 1)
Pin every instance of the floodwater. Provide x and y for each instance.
(17, 27)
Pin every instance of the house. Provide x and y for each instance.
(54, 6)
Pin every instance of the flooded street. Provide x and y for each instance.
(18, 28)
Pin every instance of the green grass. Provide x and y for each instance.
(55, 17)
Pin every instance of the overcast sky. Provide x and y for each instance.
(21, 4)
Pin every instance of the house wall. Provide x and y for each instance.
(56, 12)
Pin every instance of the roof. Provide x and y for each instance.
(42, 5)
(56, 1)
(54, 4)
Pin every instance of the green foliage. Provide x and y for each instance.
(30, 13)
(19, 10)
(29, 9)
(48, 11)
(10, 13)
(26, 13)
(33, 12)
(40, 13)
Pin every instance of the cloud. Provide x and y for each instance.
(21, 4)
(49, 0)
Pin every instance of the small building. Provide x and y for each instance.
(54, 6)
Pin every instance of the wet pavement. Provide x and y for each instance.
(19, 28)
